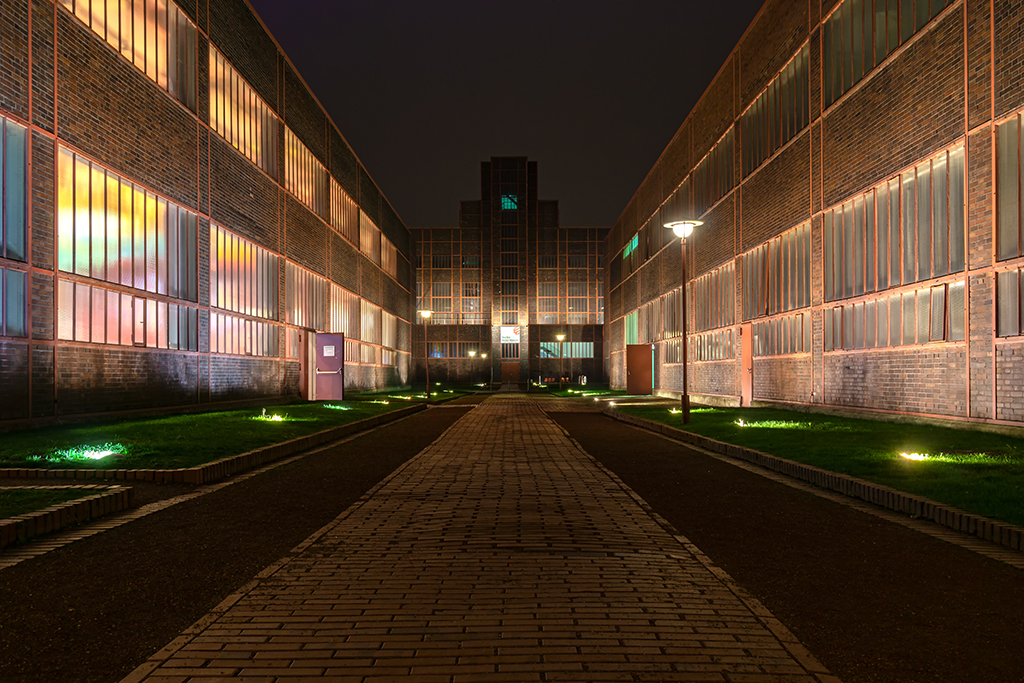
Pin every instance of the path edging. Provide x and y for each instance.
(109, 499)
(1006, 535)
(218, 469)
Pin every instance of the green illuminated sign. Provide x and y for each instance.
(509, 202)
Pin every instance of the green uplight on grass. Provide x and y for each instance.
(401, 398)
(263, 417)
(774, 424)
(914, 456)
(962, 458)
(335, 406)
(674, 411)
(703, 410)
(382, 402)
(79, 453)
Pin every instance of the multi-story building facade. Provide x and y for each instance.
(507, 283)
(857, 168)
(177, 207)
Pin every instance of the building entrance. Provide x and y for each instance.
(639, 369)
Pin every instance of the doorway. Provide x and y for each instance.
(322, 363)
(510, 373)
(639, 369)
(747, 364)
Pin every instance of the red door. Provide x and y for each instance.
(639, 369)
(330, 367)
(747, 362)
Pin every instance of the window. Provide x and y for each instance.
(509, 202)
(713, 176)
(1010, 154)
(12, 174)
(914, 317)
(243, 276)
(239, 115)
(672, 314)
(388, 257)
(369, 238)
(388, 338)
(780, 336)
(305, 298)
(715, 295)
(111, 229)
(344, 213)
(632, 325)
(441, 261)
(509, 351)
(471, 297)
(154, 35)
(906, 230)
(442, 297)
(1010, 297)
(345, 312)
(470, 261)
(860, 34)
(578, 302)
(12, 303)
(714, 345)
(370, 322)
(240, 336)
(778, 114)
(576, 261)
(100, 316)
(777, 275)
(304, 176)
(547, 261)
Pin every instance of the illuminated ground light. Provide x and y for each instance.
(263, 417)
(914, 456)
(964, 458)
(336, 406)
(703, 410)
(674, 411)
(79, 453)
(381, 402)
(401, 398)
(611, 404)
(774, 424)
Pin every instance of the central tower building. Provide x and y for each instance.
(507, 283)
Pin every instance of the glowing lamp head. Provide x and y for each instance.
(425, 314)
(560, 337)
(683, 228)
(472, 354)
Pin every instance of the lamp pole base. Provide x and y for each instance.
(684, 406)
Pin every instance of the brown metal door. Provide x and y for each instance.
(639, 369)
(510, 373)
(330, 367)
(747, 370)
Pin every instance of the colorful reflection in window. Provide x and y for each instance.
(304, 176)
(12, 173)
(305, 298)
(243, 276)
(233, 335)
(12, 303)
(240, 116)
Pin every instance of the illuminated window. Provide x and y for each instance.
(716, 345)
(713, 177)
(305, 298)
(1009, 290)
(111, 229)
(915, 317)
(154, 35)
(715, 295)
(578, 303)
(388, 257)
(672, 314)
(239, 115)
(777, 275)
(778, 114)
(233, 335)
(100, 316)
(344, 312)
(369, 238)
(12, 173)
(12, 303)
(243, 276)
(1010, 223)
(304, 176)
(388, 338)
(442, 297)
(509, 202)
(344, 213)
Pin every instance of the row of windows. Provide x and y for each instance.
(860, 34)
(154, 35)
(369, 238)
(717, 345)
(239, 115)
(305, 298)
(344, 213)
(12, 200)
(1010, 307)
(904, 231)
(713, 177)
(304, 176)
(916, 317)
(239, 336)
(369, 322)
(714, 295)
(111, 229)
(345, 312)
(777, 275)
(566, 349)
(779, 336)
(453, 349)
(12, 303)
(243, 276)
(100, 316)
(456, 318)
(778, 114)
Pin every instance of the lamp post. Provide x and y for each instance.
(472, 355)
(425, 314)
(489, 386)
(561, 355)
(682, 230)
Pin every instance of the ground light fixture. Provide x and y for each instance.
(914, 456)
(425, 313)
(682, 230)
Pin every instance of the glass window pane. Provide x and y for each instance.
(1007, 191)
(848, 327)
(83, 307)
(113, 229)
(869, 242)
(882, 332)
(940, 229)
(858, 326)
(113, 318)
(98, 221)
(99, 315)
(909, 230)
(894, 232)
(13, 292)
(956, 210)
(956, 311)
(1008, 311)
(65, 210)
(82, 230)
(882, 234)
(938, 321)
(909, 318)
(924, 300)
(65, 310)
(14, 191)
(869, 325)
(924, 223)
(828, 257)
(858, 246)
(849, 256)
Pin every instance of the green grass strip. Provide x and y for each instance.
(979, 472)
(182, 441)
(16, 501)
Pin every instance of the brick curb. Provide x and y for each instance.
(109, 499)
(1006, 535)
(218, 469)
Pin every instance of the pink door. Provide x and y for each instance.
(747, 358)
(330, 367)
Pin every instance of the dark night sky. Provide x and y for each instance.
(592, 90)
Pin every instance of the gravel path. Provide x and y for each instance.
(96, 609)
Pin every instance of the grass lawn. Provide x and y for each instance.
(976, 471)
(181, 441)
(19, 501)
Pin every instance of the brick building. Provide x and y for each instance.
(506, 283)
(857, 168)
(177, 206)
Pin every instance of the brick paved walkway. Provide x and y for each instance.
(499, 553)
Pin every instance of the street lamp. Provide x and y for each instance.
(561, 355)
(472, 355)
(425, 314)
(682, 230)
(491, 385)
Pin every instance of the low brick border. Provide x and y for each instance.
(218, 469)
(1006, 535)
(108, 499)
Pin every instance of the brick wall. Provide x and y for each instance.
(783, 378)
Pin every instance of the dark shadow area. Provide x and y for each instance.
(874, 601)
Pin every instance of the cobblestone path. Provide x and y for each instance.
(499, 553)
